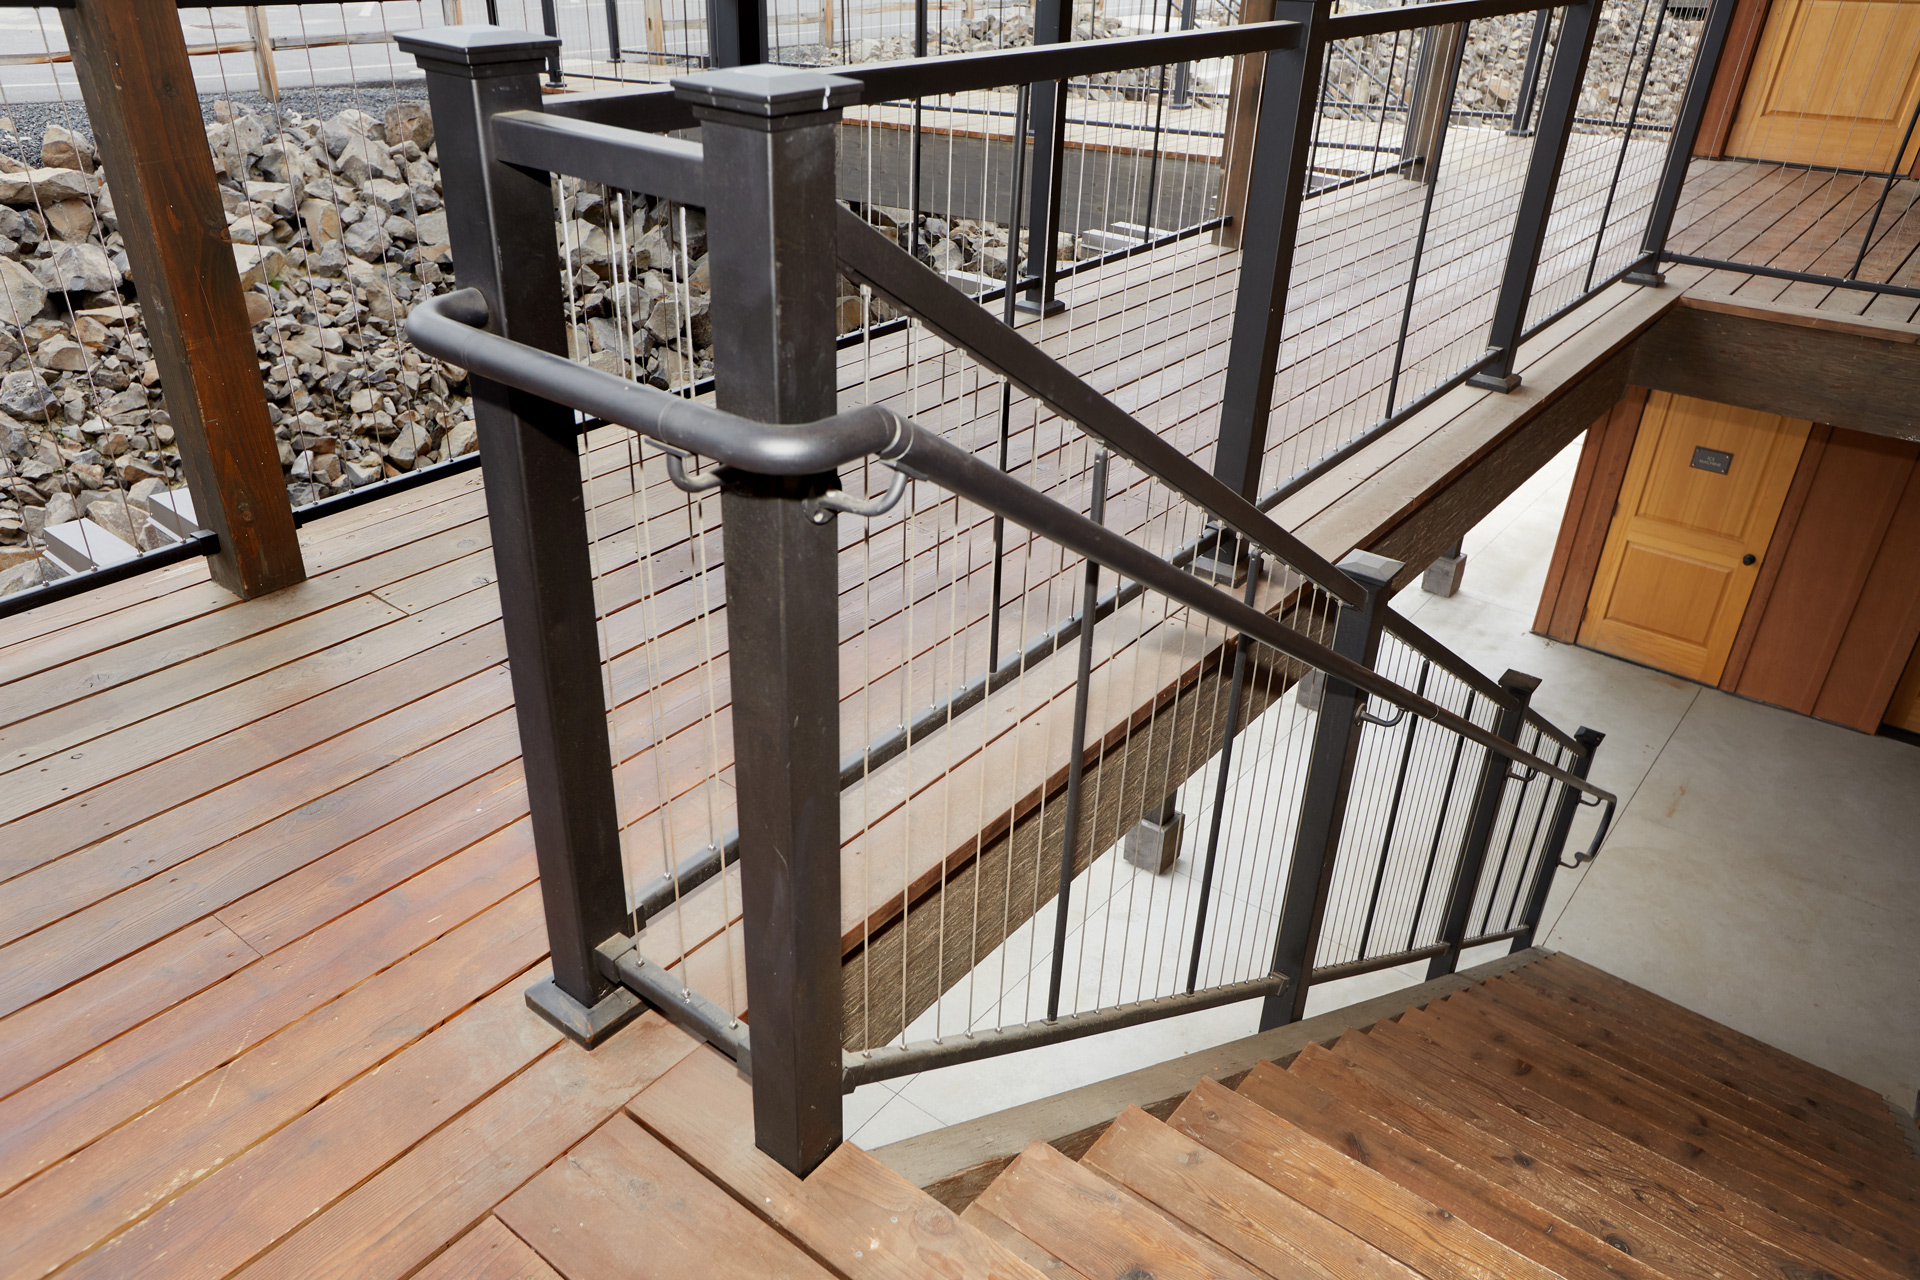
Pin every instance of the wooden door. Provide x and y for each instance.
(1834, 83)
(1698, 504)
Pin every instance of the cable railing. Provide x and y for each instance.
(894, 672)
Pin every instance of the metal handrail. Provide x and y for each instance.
(450, 328)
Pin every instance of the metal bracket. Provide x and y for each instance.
(1367, 717)
(821, 507)
(689, 482)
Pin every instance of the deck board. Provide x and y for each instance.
(269, 889)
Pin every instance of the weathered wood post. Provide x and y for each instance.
(130, 57)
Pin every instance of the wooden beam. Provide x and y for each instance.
(1842, 372)
(130, 57)
(1583, 530)
(1243, 111)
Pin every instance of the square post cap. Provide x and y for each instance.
(767, 91)
(476, 51)
(1369, 570)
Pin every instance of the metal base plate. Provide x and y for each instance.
(1051, 307)
(1494, 381)
(1652, 279)
(1154, 846)
(586, 1027)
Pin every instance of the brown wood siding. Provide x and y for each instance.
(1730, 81)
(1583, 531)
(1850, 505)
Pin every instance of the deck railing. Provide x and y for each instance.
(972, 677)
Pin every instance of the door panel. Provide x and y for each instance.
(1835, 83)
(1672, 585)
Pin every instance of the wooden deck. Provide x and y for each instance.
(269, 898)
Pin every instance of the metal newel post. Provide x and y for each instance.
(1276, 186)
(736, 33)
(1052, 24)
(769, 137)
(550, 23)
(1323, 799)
(1563, 811)
(1487, 799)
(500, 224)
(1686, 133)
(1557, 111)
(1522, 126)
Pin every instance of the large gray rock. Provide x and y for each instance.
(339, 132)
(79, 268)
(21, 294)
(23, 395)
(44, 186)
(62, 148)
(409, 122)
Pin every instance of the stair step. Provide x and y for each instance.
(1839, 1100)
(1018, 1245)
(1097, 1228)
(1223, 1202)
(621, 1195)
(1700, 1183)
(1372, 1206)
(1781, 1176)
(860, 1216)
(1527, 1167)
(1549, 1239)
(1620, 1047)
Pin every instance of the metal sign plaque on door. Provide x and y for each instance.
(1714, 460)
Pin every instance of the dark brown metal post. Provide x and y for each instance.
(1052, 24)
(1568, 805)
(1323, 798)
(1557, 111)
(130, 57)
(500, 224)
(1487, 800)
(769, 138)
(1276, 186)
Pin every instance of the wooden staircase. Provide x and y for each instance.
(1554, 1121)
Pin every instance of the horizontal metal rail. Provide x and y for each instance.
(448, 328)
(661, 109)
(620, 960)
(1415, 17)
(1373, 964)
(1781, 273)
(619, 159)
(867, 1066)
(203, 543)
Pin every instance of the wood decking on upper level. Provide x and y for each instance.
(270, 901)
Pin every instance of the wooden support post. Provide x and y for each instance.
(654, 20)
(263, 53)
(1432, 101)
(1323, 797)
(1487, 800)
(130, 57)
(1243, 113)
(450, 12)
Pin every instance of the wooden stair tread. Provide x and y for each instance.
(1846, 1099)
(1546, 1237)
(622, 1204)
(1018, 1245)
(1519, 1163)
(1526, 1014)
(1702, 1184)
(861, 1217)
(1661, 1121)
(1223, 1202)
(1370, 1205)
(1100, 1230)
(1620, 1045)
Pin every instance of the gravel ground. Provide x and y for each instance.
(23, 123)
